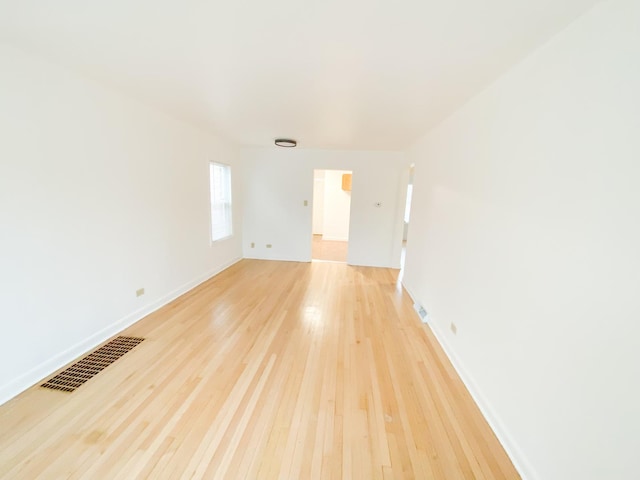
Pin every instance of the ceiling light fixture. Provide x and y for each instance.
(286, 142)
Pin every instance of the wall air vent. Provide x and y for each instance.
(422, 313)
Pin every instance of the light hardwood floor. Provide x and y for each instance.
(330, 250)
(269, 370)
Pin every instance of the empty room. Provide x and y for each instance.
(207, 265)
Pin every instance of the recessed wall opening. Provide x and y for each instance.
(331, 215)
(407, 216)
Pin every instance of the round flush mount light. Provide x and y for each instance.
(286, 142)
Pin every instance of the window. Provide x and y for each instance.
(220, 183)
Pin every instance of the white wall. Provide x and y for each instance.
(99, 196)
(525, 232)
(278, 181)
(337, 207)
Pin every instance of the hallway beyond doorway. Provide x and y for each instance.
(331, 215)
(329, 250)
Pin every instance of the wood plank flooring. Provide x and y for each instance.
(271, 370)
(331, 250)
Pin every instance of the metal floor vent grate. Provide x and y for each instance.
(81, 371)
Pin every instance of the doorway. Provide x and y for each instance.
(407, 216)
(331, 214)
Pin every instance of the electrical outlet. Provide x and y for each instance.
(454, 329)
(139, 292)
(253, 245)
(269, 245)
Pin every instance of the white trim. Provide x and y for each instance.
(392, 266)
(514, 452)
(37, 374)
(279, 259)
(212, 242)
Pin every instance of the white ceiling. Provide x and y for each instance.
(356, 74)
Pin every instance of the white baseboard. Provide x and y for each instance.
(278, 258)
(37, 374)
(514, 452)
(375, 265)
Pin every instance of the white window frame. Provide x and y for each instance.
(220, 202)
